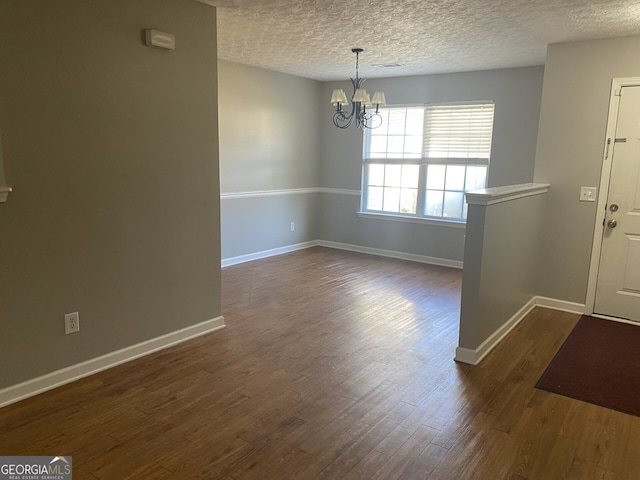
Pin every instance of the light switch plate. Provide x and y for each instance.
(588, 194)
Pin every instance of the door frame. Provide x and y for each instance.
(603, 189)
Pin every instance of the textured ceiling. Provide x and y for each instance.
(313, 38)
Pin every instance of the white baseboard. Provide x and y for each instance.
(474, 357)
(66, 375)
(443, 262)
(466, 355)
(227, 262)
(562, 305)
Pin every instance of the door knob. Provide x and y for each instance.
(612, 223)
(613, 207)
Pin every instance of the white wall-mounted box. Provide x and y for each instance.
(156, 38)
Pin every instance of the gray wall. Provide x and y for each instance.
(111, 149)
(340, 223)
(269, 141)
(257, 224)
(573, 118)
(502, 252)
(516, 93)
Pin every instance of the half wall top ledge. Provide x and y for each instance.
(490, 196)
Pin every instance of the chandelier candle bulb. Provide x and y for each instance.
(339, 99)
(379, 100)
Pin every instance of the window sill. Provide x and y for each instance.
(4, 193)
(424, 221)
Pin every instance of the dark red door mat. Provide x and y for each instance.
(598, 363)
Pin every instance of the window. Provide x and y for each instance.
(421, 160)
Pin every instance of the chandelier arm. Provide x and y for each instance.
(371, 121)
(357, 83)
(341, 120)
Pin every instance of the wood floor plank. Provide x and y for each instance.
(424, 463)
(367, 467)
(405, 456)
(472, 452)
(334, 365)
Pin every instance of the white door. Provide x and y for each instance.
(618, 284)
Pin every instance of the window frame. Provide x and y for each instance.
(423, 163)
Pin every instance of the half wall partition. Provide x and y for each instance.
(503, 238)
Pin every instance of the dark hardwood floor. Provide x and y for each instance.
(333, 365)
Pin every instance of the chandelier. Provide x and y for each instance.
(361, 102)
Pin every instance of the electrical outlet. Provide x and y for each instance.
(71, 323)
(293, 226)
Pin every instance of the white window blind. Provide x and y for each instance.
(458, 131)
